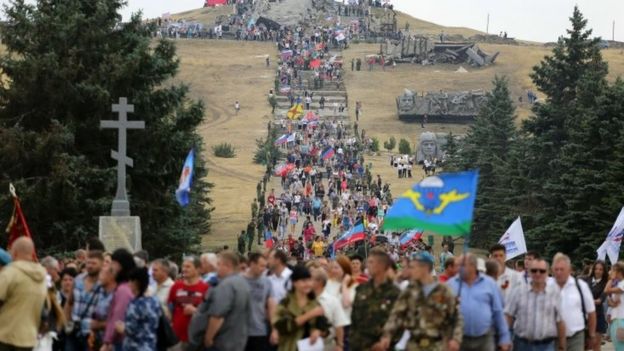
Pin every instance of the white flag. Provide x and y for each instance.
(513, 240)
(611, 246)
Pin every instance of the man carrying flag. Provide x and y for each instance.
(186, 179)
(23, 292)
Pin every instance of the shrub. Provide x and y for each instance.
(374, 144)
(224, 150)
(404, 147)
(390, 144)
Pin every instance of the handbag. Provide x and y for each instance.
(165, 336)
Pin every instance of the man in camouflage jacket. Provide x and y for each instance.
(427, 310)
(373, 303)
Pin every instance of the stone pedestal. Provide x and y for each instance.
(120, 232)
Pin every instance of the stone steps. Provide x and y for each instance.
(327, 113)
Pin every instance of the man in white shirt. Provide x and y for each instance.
(279, 274)
(160, 273)
(576, 300)
(333, 310)
(509, 279)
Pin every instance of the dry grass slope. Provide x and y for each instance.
(422, 27)
(206, 15)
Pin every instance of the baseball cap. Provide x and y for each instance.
(422, 256)
(5, 258)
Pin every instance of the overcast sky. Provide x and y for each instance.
(537, 20)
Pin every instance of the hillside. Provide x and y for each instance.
(428, 28)
(206, 15)
(221, 72)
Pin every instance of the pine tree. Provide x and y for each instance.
(571, 138)
(487, 145)
(451, 154)
(66, 63)
(558, 76)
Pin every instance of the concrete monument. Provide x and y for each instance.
(429, 148)
(121, 230)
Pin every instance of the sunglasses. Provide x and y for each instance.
(535, 270)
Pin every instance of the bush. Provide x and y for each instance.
(404, 147)
(374, 144)
(390, 144)
(224, 150)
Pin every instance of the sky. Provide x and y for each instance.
(535, 20)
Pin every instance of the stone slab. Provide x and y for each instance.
(120, 232)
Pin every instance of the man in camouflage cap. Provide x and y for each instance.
(427, 310)
(372, 304)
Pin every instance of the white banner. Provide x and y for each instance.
(611, 246)
(513, 240)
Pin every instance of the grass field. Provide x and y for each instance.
(221, 72)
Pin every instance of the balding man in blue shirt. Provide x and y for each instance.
(481, 306)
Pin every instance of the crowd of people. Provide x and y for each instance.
(324, 181)
(271, 300)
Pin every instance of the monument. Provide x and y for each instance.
(120, 229)
(442, 106)
(430, 147)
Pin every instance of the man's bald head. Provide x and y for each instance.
(23, 249)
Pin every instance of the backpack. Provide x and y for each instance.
(165, 336)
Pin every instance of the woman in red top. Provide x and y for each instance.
(185, 296)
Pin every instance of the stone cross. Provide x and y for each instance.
(121, 206)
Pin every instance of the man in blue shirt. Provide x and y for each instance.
(481, 307)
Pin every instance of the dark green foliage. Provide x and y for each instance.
(563, 171)
(575, 146)
(404, 147)
(390, 144)
(224, 150)
(451, 150)
(266, 150)
(67, 62)
(487, 147)
(374, 144)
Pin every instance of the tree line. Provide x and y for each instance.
(562, 169)
(65, 63)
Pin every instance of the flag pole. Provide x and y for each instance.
(12, 190)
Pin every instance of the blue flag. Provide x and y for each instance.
(442, 204)
(186, 179)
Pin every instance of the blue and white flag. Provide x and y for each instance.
(611, 246)
(513, 240)
(186, 179)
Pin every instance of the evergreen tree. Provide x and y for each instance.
(487, 145)
(66, 63)
(451, 153)
(558, 77)
(572, 137)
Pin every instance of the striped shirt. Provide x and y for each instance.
(536, 313)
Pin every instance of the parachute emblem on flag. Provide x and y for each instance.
(434, 200)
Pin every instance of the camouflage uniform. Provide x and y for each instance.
(431, 320)
(371, 308)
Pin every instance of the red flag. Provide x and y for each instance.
(17, 225)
